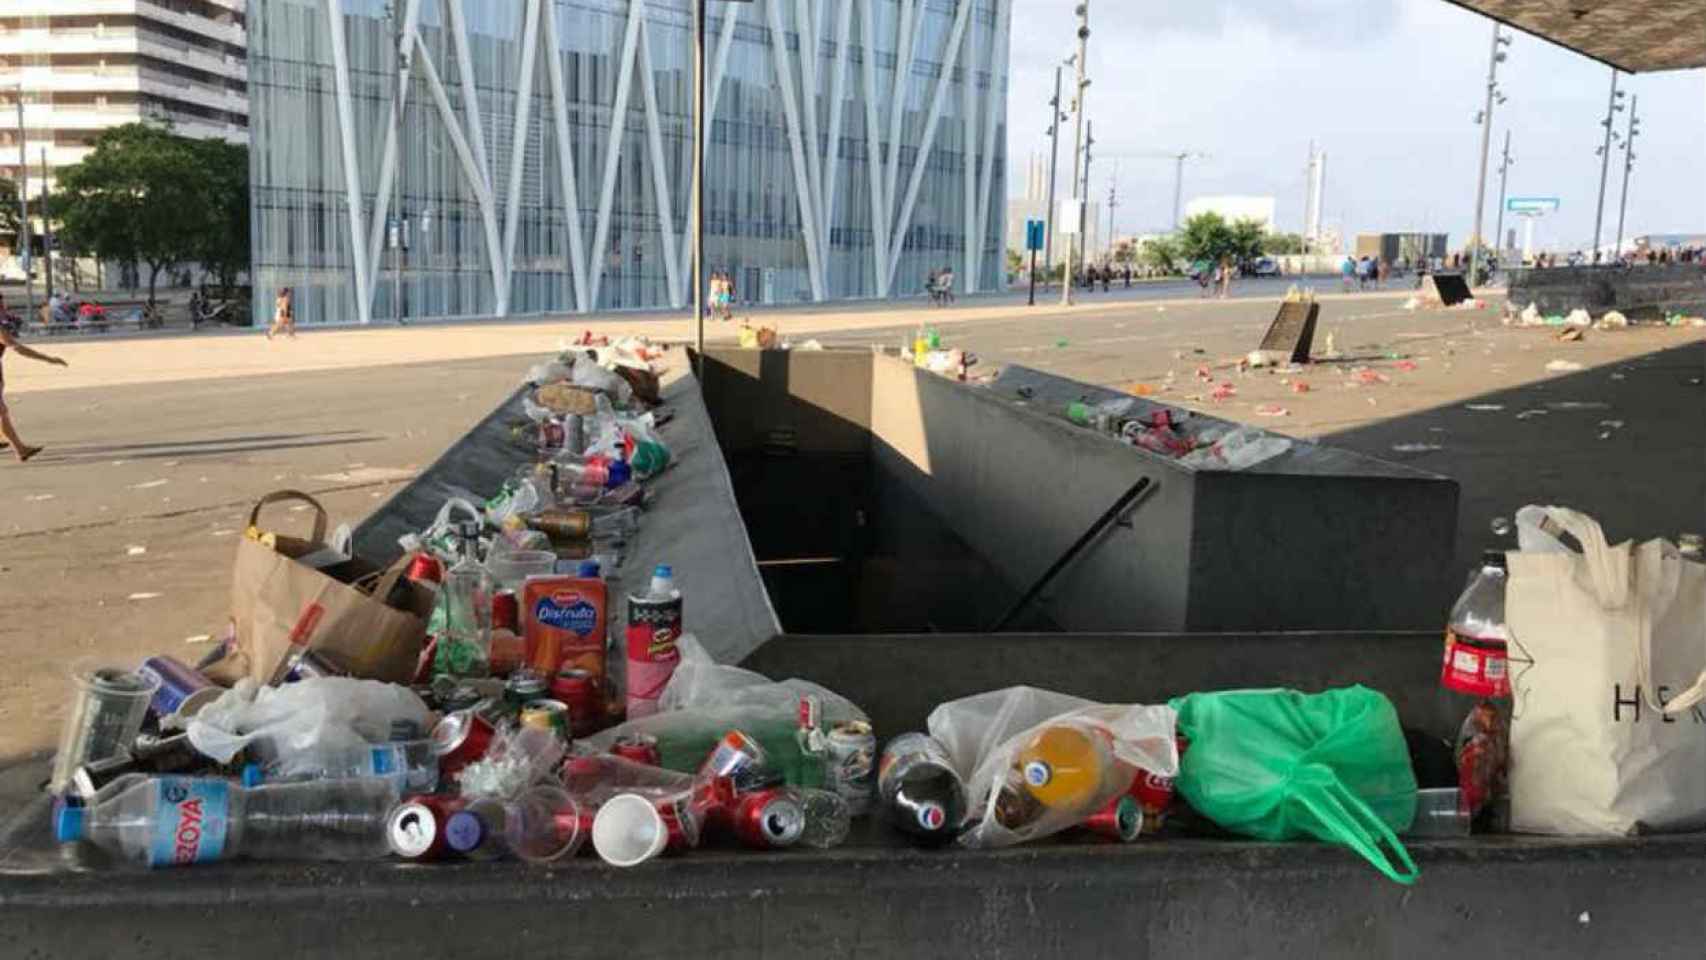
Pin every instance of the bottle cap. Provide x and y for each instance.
(664, 570)
(464, 831)
(589, 568)
(68, 823)
(252, 775)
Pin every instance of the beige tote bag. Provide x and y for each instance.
(1608, 674)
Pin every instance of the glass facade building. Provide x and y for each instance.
(542, 158)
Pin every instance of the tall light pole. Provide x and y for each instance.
(1494, 58)
(1055, 117)
(1079, 90)
(1628, 166)
(1504, 174)
(1113, 204)
(1612, 106)
(1084, 178)
(24, 211)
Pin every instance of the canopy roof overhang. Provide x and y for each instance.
(1636, 36)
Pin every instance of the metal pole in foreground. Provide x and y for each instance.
(47, 225)
(699, 183)
(1628, 166)
(1179, 190)
(1077, 143)
(24, 211)
(1604, 167)
(397, 181)
(1053, 162)
(1486, 147)
(1504, 174)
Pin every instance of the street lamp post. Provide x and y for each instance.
(1055, 116)
(24, 211)
(1504, 174)
(1077, 141)
(1628, 167)
(1611, 109)
(1494, 58)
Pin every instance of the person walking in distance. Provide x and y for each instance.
(283, 314)
(9, 341)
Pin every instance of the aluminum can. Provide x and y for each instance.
(552, 715)
(735, 754)
(638, 747)
(579, 690)
(1121, 820)
(769, 819)
(460, 739)
(182, 691)
(523, 686)
(506, 611)
(415, 828)
(850, 764)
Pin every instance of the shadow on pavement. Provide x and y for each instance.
(1624, 443)
(195, 449)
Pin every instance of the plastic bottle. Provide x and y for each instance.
(922, 792)
(1476, 650)
(540, 825)
(464, 647)
(654, 626)
(1067, 766)
(173, 821)
(411, 765)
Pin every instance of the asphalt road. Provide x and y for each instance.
(118, 541)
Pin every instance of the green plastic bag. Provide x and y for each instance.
(1284, 765)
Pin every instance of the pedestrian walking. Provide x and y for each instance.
(9, 341)
(1107, 278)
(1347, 273)
(1128, 276)
(283, 314)
(1225, 277)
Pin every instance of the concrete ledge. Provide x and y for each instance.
(1644, 291)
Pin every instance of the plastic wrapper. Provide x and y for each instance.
(551, 371)
(1037, 762)
(705, 699)
(1238, 449)
(590, 375)
(322, 714)
(519, 757)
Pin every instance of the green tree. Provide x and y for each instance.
(1161, 253)
(9, 207)
(141, 196)
(1207, 236)
(223, 242)
(1282, 244)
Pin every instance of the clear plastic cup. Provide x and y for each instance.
(1438, 814)
(511, 570)
(545, 824)
(107, 707)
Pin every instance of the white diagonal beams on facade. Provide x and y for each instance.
(470, 91)
(388, 157)
(518, 146)
(470, 164)
(805, 25)
(660, 173)
(997, 63)
(714, 88)
(352, 168)
(968, 158)
(613, 149)
(802, 182)
(838, 89)
(874, 153)
(566, 161)
(905, 47)
(927, 142)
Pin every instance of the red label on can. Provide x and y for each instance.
(1476, 666)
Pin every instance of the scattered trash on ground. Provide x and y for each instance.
(149, 484)
(1224, 391)
(1272, 410)
(135, 550)
(144, 596)
(1415, 447)
(1578, 405)
(1564, 366)
(1572, 335)
(1484, 407)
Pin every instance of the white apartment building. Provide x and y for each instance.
(83, 66)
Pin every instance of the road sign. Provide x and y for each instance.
(1071, 216)
(1033, 235)
(1531, 205)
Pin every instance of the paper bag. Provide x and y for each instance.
(278, 603)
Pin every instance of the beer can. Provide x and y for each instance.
(579, 690)
(182, 688)
(734, 754)
(1121, 820)
(108, 705)
(638, 747)
(523, 686)
(506, 611)
(850, 764)
(552, 715)
(769, 819)
(415, 828)
(309, 665)
(460, 739)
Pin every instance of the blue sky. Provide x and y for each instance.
(1389, 88)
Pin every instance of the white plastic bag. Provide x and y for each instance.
(587, 373)
(993, 739)
(1238, 449)
(318, 715)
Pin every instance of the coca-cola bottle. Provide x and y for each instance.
(1476, 665)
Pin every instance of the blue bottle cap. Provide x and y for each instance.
(620, 473)
(464, 831)
(589, 568)
(252, 775)
(664, 570)
(68, 823)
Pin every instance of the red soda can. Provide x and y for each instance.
(579, 689)
(425, 569)
(682, 822)
(506, 611)
(735, 754)
(1121, 820)
(769, 819)
(638, 747)
(460, 739)
(715, 800)
(415, 828)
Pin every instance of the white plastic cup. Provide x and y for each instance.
(628, 831)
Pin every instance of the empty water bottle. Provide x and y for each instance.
(175, 821)
(411, 765)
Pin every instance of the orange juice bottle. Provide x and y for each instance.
(1066, 765)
